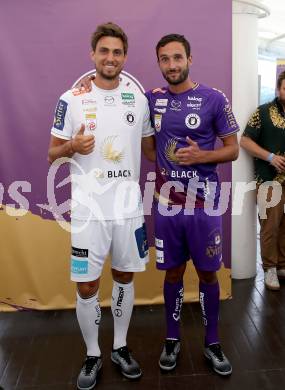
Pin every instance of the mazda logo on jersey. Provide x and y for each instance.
(192, 121)
(175, 103)
(118, 312)
(130, 118)
(109, 100)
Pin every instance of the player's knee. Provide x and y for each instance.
(122, 277)
(87, 289)
(207, 277)
(175, 275)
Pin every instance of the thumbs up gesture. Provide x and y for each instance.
(189, 155)
(83, 144)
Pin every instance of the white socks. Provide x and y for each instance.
(89, 315)
(122, 307)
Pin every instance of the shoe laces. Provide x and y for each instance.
(217, 351)
(125, 354)
(89, 364)
(169, 346)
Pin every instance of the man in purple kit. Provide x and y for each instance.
(188, 118)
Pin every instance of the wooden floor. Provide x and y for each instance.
(44, 350)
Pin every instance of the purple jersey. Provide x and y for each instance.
(203, 114)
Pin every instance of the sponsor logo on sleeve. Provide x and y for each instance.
(231, 121)
(59, 115)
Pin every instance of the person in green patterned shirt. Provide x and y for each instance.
(264, 139)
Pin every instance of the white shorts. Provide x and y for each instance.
(125, 240)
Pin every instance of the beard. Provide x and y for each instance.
(182, 77)
(107, 76)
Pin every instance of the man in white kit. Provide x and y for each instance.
(103, 131)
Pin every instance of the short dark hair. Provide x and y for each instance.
(280, 78)
(174, 38)
(109, 30)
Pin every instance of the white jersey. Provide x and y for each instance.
(105, 182)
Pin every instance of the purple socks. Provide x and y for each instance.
(173, 298)
(209, 300)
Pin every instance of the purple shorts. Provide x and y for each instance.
(181, 237)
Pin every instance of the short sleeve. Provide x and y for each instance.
(224, 120)
(147, 130)
(253, 126)
(62, 123)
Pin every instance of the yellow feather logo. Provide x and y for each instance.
(170, 150)
(109, 153)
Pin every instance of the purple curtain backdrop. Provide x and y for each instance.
(44, 48)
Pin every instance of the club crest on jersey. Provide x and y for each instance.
(161, 102)
(90, 121)
(108, 151)
(157, 122)
(130, 118)
(192, 121)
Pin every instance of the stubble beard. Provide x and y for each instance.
(183, 76)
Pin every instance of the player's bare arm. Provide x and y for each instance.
(192, 154)
(81, 143)
(148, 148)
